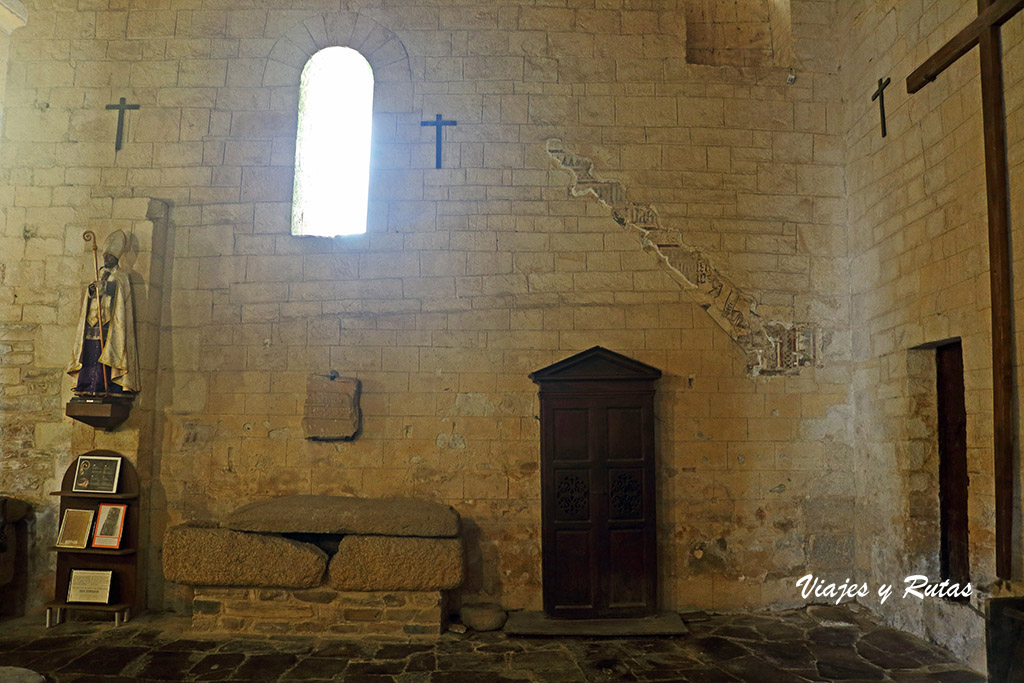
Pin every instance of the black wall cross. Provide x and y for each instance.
(880, 96)
(121, 107)
(438, 123)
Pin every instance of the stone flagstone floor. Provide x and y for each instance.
(816, 644)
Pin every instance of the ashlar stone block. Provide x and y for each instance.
(391, 563)
(199, 556)
(346, 515)
(332, 410)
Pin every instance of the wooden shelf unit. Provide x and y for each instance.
(106, 497)
(125, 597)
(94, 551)
(55, 608)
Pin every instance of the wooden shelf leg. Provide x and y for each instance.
(127, 613)
(49, 613)
(117, 619)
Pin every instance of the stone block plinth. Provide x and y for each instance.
(320, 611)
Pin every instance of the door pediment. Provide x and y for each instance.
(596, 363)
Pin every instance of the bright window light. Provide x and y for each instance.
(332, 148)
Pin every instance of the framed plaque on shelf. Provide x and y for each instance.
(97, 474)
(75, 528)
(109, 525)
(90, 585)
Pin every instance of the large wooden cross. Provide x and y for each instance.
(984, 31)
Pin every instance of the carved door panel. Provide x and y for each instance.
(598, 506)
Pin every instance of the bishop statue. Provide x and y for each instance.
(105, 356)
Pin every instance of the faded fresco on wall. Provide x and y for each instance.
(772, 347)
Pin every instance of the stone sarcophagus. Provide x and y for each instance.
(321, 564)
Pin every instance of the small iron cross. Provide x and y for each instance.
(121, 107)
(880, 96)
(438, 123)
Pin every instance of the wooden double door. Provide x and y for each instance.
(598, 504)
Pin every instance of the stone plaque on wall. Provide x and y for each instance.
(332, 408)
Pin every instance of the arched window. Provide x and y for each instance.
(332, 147)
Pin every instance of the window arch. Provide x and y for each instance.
(332, 145)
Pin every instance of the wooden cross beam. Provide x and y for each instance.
(991, 15)
(984, 31)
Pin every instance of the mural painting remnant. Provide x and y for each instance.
(772, 347)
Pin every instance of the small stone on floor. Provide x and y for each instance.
(13, 674)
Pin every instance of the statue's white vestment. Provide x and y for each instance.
(120, 352)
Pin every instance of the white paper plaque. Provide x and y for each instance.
(90, 585)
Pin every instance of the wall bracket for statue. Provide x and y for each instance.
(105, 412)
(104, 360)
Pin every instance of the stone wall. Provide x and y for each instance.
(468, 278)
(320, 610)
(919, 250)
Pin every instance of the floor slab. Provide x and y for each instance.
(833, 644)
(538, 624)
